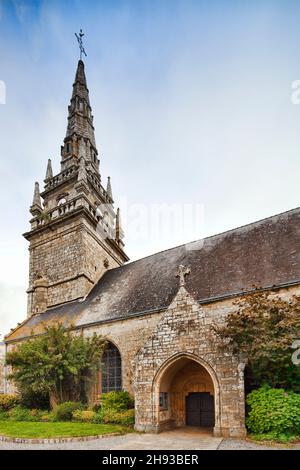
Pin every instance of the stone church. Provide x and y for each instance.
(156, 313)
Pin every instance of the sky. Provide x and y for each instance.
(193, 110)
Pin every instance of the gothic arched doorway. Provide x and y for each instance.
(186, 393)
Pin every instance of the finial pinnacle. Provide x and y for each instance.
(49, 172)
(119, 230)
(36, 206)
(108, 188)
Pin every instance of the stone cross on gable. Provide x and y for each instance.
(182, 272)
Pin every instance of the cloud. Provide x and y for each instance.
(22, 10)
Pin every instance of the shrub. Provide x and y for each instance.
(66, 363)
(126, 418)
(118, 401)
(31, 399)
(273, 411)
(48, 417)
(98, 418)
(83, 416)
(8, 401)
(64, 411)
(23, 414)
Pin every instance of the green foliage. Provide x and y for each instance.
(59, 363)
(31, 399)
(3, 415)
(98, 417)
(116, 407)
(262, 330)
(117, 401)
(24, 414)
(126, 418)
(273, 411)
(84, 416)
(63, 412)
(273, 436)
(8, 401)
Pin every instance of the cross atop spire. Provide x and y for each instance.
(182, 272)
(80, 43)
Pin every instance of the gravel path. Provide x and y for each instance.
(243, 444)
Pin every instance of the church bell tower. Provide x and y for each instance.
(75, 233)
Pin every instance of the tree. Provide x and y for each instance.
(59, 363)
(262, 331)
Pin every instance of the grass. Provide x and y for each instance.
(36, 430)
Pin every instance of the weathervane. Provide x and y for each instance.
(79, 39)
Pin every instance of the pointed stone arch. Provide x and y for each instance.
(189, 384)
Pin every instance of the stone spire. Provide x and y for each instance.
(49, 172)
(108, 189)
(36, 206)
(36, 195)
(119, 230)
(80, 124)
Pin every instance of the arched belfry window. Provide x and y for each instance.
(111, 377)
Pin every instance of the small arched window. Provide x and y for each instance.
(111, 377)
(81, 106)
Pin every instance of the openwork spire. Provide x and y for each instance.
(80, 124)
(80, 119)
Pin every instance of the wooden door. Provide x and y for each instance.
(200, 409)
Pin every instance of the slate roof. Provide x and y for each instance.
(263, 254)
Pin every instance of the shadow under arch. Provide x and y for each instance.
(167, 366)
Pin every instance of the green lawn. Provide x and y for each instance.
(37, 430)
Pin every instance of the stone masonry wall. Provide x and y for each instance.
(71, 259)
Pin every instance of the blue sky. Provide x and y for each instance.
(192, 105)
